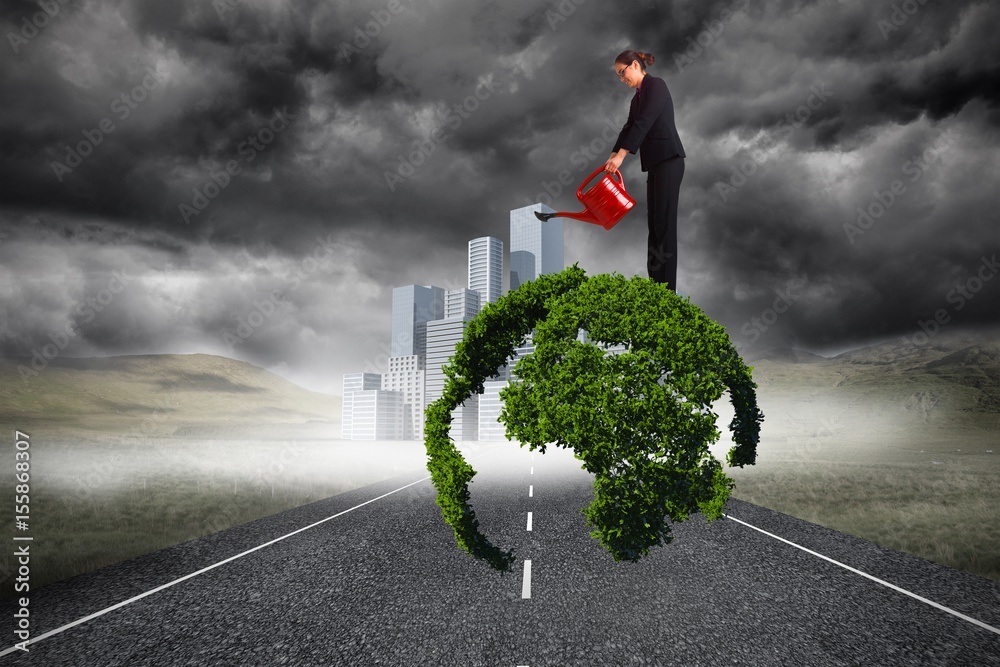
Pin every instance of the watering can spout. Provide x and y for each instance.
(585, 216)
(604, 204)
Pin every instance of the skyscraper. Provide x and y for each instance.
(536, 247)
(461, 306)
(369, 412)
(486, 268)
(413, 306)
(461, 303)
(406, 375)
(377, 415)
(490, 404)
(442, 338)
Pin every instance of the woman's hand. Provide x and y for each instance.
(615, 161)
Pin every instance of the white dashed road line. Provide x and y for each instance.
(526, 583)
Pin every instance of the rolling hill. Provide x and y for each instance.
(949, 386)
(169, 394)
(947, 389)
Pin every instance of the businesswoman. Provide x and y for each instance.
(650, 130)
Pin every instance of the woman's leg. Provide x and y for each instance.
(663, 185)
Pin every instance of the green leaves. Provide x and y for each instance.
(639, 420)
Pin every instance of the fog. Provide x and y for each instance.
(85, 468)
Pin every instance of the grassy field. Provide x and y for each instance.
(897, 445)
(135, 453)
(94, 504)
(947, 512)
(894, 444)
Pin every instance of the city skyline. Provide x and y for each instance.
(253, 180)
(428, 322)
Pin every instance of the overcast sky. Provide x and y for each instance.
(252, 178)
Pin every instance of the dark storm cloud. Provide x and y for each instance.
(936, 61)
(382, 136)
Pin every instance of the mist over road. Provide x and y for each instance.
(384, 584)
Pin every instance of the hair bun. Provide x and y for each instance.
(647, 58)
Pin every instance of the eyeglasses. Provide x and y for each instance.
(621, 74)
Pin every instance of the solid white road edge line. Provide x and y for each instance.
(102, 612)
(875, 579)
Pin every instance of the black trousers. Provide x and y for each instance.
(663, 185)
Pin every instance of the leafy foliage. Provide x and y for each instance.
(639, 419)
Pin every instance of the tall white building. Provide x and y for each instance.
(486, 268)
(369, 412)
(361, 382)
(442, 338)
(378, 415)
(536, 247)
(490, 404)
(406, 375)
(412, 307)
(490, 426)
(461, 302)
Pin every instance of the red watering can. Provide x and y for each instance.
(606, 202)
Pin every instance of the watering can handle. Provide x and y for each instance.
(579, 190)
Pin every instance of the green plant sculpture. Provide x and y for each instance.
(639, 416)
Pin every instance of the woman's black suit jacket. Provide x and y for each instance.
(650, 126)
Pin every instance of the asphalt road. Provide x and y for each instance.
(384, 584)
